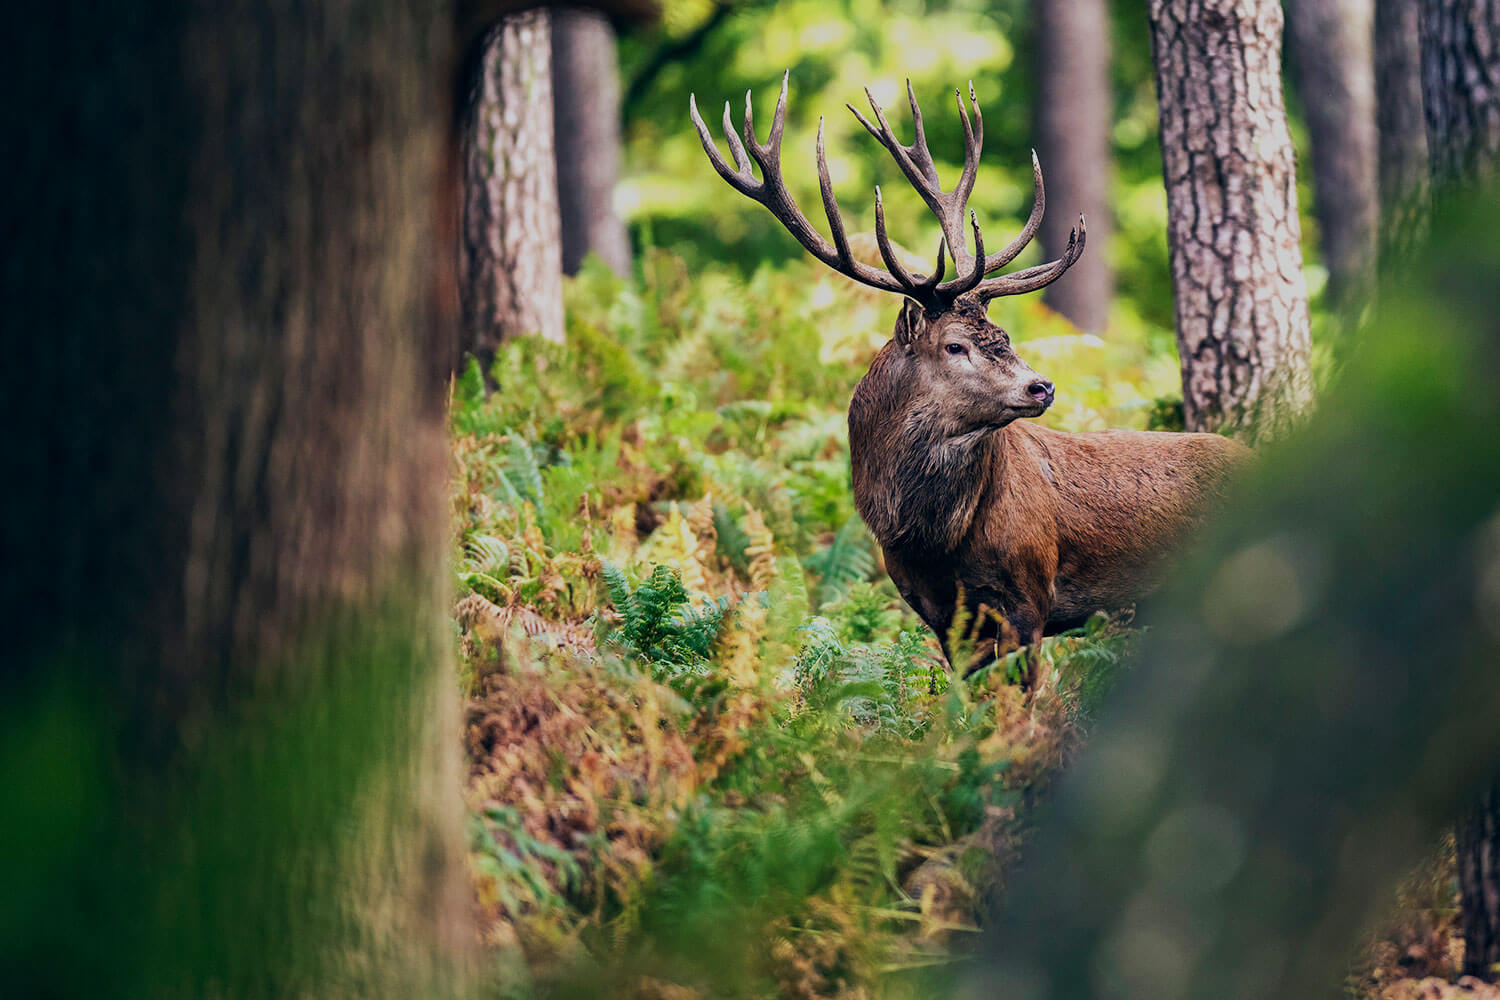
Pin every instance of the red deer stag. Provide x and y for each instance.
(1032, 528)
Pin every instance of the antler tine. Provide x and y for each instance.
(917, 176)
(888, 254)
(741, 161)
(917, 165)
(973, 143)
(771, 192)
(1040, 276)
(830, 204)
(1033, 223)
(921, 155)
(778, 120)
(740, 180)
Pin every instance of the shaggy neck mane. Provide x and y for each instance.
(917, 486)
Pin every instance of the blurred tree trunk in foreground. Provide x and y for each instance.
(1240, 296)
(586, 117)
(1404, 168)
(1074, 114)
(510, 267)
(1460, 67)
(228, 719)
(1317, 698)
(1331, 44)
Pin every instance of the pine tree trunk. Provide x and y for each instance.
(510, 267)
(1074, 113)
(1232, 228)
(586, 96)
(229, 712)
(1404, 168)
(1478, 844)
(1461, 88)
(1331, 43)
(1460, 70)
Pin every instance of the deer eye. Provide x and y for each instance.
(956, 349)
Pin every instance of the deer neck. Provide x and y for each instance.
(917, 486)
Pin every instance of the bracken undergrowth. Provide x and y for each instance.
(711, 752)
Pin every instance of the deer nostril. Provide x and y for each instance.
(1040, 390)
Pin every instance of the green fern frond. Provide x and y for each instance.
(843, 562)
(487, 554)
(522, 470)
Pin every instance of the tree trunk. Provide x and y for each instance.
(1460, 70)
(1478, 844)
(1404, 168)
(1232, 227)
(1331, 43)
(1074, 113)
(229, 714)
(586, 114)
(510, 266)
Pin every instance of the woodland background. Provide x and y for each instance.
(330, 472)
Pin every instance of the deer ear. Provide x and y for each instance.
(911, 324)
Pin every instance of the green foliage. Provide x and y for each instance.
(660, 512)
(676, 201)
(843, 562)
(659, 625)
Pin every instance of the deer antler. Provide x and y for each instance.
(917, 165)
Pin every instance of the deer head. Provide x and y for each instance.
(959, 364)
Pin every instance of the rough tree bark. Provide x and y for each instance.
(1461, 94)
(1461, 88)
(586, 116)
(1402, 125)
(227, 688)
(1332, 48)
(1232, 228)
(510, 266)
(1074, 113)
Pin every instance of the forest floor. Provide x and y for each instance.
(711, 751)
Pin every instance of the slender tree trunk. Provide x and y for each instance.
(1404, 168)
(1461, 88)
(1332, 48)
(1232, 228)
(229, 712)
(1461, 94)
(586, 114)
(1074, 113)
(510, 267)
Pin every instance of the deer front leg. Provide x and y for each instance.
(1002, 625)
